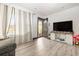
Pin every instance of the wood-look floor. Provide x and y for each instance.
(46, 47)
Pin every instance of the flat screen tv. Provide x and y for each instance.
(63, 26)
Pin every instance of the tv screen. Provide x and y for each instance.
(63, 26)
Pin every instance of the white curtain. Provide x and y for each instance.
(5, 18)
(10, 21)
(2, 16)
(23, 26)
(4, 21)
(22, 21)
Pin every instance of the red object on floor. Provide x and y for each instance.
(75, 39)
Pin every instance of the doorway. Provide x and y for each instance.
(42, 27)
(45, 27)
(39, 27)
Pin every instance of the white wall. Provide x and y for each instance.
(69, 14)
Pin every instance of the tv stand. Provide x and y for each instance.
(65, 37)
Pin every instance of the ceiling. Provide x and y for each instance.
(45, 9)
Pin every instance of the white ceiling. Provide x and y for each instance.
(45, 9)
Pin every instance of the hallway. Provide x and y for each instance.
(46, 47)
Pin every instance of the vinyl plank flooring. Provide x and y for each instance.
(45, 47)
(68, 51)
(62, 50)
(74, 51)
